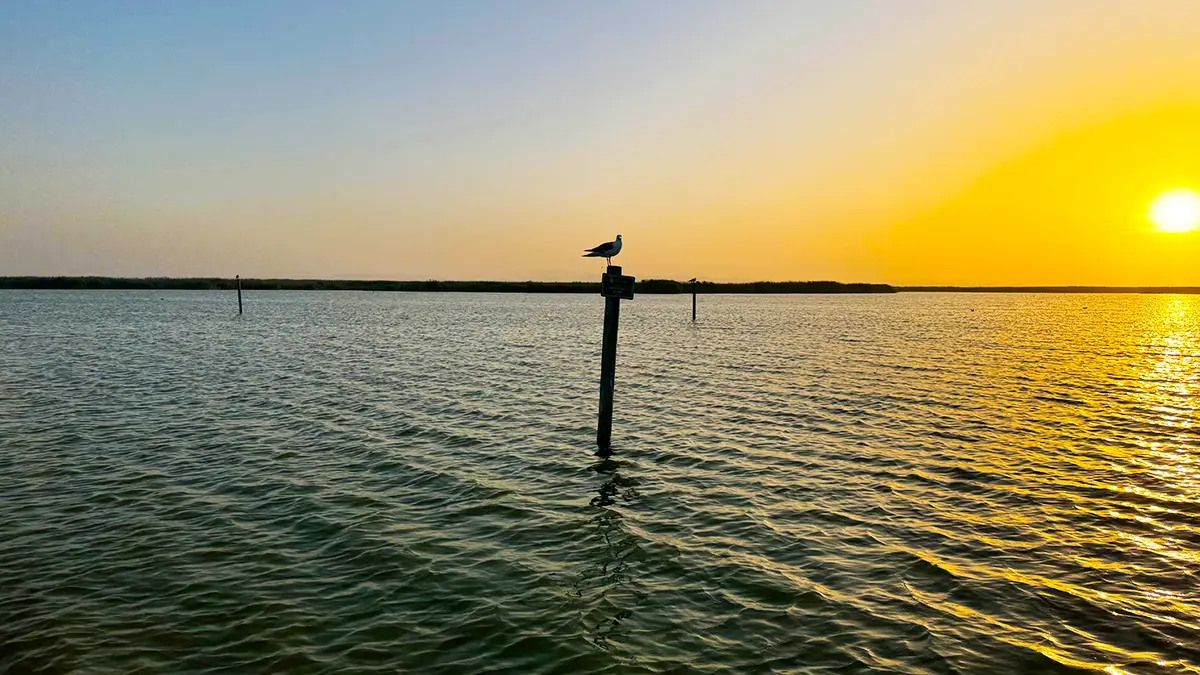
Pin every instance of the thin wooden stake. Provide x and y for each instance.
(693, 299)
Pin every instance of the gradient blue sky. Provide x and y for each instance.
(734, 140)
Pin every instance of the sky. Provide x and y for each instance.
(910, 142)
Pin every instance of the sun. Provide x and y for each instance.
(1176, 211)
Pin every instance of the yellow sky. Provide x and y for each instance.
(1072, 210)
(1032, 161)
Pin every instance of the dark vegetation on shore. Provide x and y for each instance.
(651, 286)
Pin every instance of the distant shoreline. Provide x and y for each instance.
(648, 286)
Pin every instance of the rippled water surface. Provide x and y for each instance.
(356, 482)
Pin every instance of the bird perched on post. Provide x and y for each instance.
(606, 250)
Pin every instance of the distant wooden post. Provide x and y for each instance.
(614, 287)
(693, 299)
(239, 283)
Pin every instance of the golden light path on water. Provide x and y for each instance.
(377, 482)
(1165, 374)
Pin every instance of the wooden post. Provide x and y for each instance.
(608, 371)
(239, 283)
(693, 299)
(614, 286)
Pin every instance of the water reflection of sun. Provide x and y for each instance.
(1169, 386)
(1174, 371)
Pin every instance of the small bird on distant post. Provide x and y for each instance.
(606, 250)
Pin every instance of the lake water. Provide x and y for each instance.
(356, 482)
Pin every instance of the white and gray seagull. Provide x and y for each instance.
(606, 250)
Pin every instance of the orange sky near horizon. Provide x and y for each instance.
(922, 143)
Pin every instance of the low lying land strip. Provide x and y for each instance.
(645, 286)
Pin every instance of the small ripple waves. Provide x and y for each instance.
(383, 482)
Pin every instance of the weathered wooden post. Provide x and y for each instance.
(693, 299)
(613, 286)
(239, 283)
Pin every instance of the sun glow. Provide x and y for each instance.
(1176, 211)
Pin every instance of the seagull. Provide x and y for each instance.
(606, 250)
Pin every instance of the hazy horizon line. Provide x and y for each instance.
(43, 282)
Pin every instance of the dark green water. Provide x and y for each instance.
(349, 482)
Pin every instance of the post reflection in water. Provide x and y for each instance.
(609, 590)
